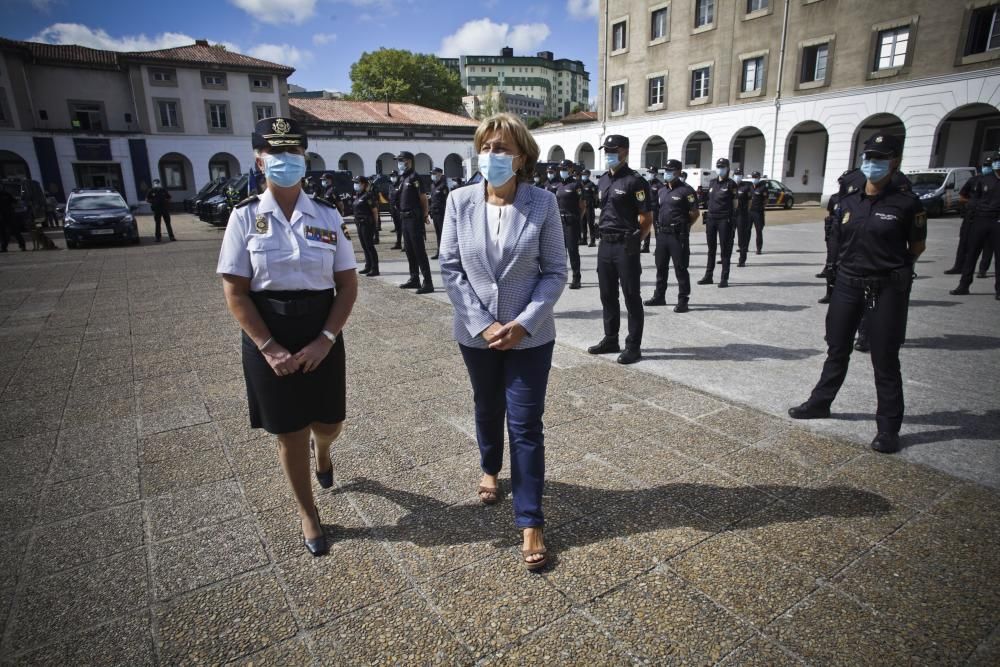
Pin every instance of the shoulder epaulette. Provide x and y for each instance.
(251, 198)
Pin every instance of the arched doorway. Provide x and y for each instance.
(880, 122)
(314, 162)
(697, 155)
(965, 136)
(747, 150)
(176, 175)
(804, 169)
(453, 166)
(223, 165)
(556, 154)
(13, 165)
(654, 152)
(385, 164)
(422, 163)
(585, 155)
(351, 162)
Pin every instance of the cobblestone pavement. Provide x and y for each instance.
(143, 522)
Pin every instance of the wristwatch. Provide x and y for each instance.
(332, 337)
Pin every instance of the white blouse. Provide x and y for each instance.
(497, 217)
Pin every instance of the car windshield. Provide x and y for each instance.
(96, 202)
(926, 181)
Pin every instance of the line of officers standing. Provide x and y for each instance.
(636, 206)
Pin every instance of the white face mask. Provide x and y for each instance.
(401, 166)
(393, 179)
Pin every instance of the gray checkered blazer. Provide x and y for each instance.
(532, 270)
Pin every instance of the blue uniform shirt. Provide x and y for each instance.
(278, 254)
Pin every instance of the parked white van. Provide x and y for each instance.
(938, 188)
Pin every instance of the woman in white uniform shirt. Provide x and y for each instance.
(289, 278)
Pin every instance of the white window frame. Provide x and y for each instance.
(896, 58)
(708, 25)
(612, 85)
(876, 71)
(210, 116)
(663, 91)
(623, 20)
(761, 74)
(665, 37)
(692, 71)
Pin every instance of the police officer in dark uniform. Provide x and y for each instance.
(413, 212)
(438, 198)
(758, 202)
(654, 203)
(552, 180)
(625, 220)
(880, 231)
(719, 222)
(364, 206)
(397, 223)
(589, 218)
(329, 193)
(677, 211)
(741, 217)
(968, 197)
(569, 196)
(539, 181)
(9, 223)
(984, 231)
(831, 248)
(159, 201)
(684, 177)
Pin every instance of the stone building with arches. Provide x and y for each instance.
(793, 96)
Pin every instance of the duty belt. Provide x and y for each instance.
(291, 304)
(614, 237)
(411, 213)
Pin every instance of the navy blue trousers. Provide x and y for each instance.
(512, 384)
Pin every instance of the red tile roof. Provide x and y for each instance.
(198, 54)
(368, 113)
(579, 117)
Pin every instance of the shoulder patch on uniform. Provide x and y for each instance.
(920, 220)
(641, 195)
(325, 202)
(248, 200)
(343, 229)
(846, 218)
(691, 199)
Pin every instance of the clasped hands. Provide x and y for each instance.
(307, 359)
(504, 336)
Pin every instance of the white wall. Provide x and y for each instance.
(368, 150)
(51, 88)
(809, 157)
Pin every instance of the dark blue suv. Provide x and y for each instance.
(99, 215)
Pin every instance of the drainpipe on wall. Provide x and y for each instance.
(604, 78)
(777, 94)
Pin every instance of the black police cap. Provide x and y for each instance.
(404, 155)
(393, 173)
(722, 162)
(684, 174)
(278, 133)
(566, 164)
(673, 165)
(437, 170)
(882, 144)
(755, 174)
(738, 172)
(585, 172)
(360, 179)
(989, 158)
(614, 142)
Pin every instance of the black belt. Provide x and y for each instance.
(614, 237)
(572, 217)
(411, 213)
(292, 303)
(360, 220)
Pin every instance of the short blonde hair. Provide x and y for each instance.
(518, 132)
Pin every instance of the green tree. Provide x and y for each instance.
(405, 76)
(491, 103)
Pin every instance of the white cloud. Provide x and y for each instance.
(582, 9)
(277, 11)
(322, 38)
(283, 54)
(96, 38)
(483, 37)
(42, 5)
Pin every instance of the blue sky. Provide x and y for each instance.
(320, 38)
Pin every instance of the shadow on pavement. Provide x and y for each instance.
(953, 425)
(752, 307)
(730, 352)
(816, 283)
(956, 342)
(641, 510)
(920, 303)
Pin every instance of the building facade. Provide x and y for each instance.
(74, 117)
(560, 84)
(520, 105)
(792, 88)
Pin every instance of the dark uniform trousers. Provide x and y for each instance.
(984, 237)
(618, 264)
(163, 214)
(676, 246)
(719, 232)
(366, 236)
(397, 224)
(743, 224)
(886, 333)
(589, 224)
(413, 243)
(571, 236)
(963, 247)
(437, 218)
(757, 220)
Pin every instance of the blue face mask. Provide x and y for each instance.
(755, 181)
(284, 169)
(986, 170)
(611, 159)
(723, 172)
(875, 170)
(996, 165)
(668, 176)
(564, 175)
(401, 166)
(496, 168)
(738, 178)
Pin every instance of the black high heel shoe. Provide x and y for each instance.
(325, 479)
(318, 546)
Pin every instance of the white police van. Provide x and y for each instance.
(938, 188)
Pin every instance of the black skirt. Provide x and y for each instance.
(283, 404)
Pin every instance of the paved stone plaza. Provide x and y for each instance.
(143, 522)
